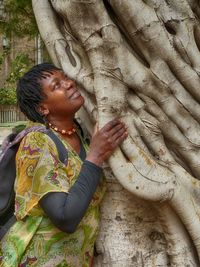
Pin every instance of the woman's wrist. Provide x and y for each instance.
(95, 160)
(92, 165)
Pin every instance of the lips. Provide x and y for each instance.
(75, 95)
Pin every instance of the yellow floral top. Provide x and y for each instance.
(33, 240)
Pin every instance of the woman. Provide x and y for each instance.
(57, 205)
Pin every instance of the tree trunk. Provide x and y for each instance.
(139, 61)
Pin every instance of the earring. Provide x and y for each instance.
(46, 123)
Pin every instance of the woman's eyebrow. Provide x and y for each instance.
(55, 79)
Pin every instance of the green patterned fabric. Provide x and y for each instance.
(33, 240)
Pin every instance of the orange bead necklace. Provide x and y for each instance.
(63, 132)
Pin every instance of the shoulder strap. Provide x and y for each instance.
(62, 151)
(4, 229)
(10, 142)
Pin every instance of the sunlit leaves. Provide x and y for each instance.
(19, 19)
(19, 66)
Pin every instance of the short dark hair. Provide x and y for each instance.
(29, 90)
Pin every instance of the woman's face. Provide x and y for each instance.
(62, 96)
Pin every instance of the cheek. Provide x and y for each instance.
(57, 99)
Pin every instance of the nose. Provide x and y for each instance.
(68, 83)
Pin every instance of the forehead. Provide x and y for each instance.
(51, 73)
(49, 76)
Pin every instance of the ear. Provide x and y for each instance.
(43, 110)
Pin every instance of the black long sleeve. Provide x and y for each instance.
(67, 209)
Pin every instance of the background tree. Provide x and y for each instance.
(18, 18)
(18, 66)
(21, 45)
(139, 60)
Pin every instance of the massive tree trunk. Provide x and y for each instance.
(139, 61)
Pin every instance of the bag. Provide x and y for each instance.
(8, 172)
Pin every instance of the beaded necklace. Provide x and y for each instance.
(63, 132)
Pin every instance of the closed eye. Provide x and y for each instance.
(56, 85)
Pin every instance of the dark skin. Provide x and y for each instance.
(61, 103)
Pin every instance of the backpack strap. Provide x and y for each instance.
(62, 151)
(4, 229)
(14, 140)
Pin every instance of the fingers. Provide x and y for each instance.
(114, 131)
(105, 141)
(116, 135)
(114, 144)
(118, 128)
(120, 134)
(117, 138)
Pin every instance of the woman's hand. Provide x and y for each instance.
(105, 140)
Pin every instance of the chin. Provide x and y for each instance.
(82, 99)
(81, 102)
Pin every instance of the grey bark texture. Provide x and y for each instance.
(138, 61)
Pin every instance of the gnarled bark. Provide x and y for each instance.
(140, 61)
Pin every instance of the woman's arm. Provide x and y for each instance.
(67, 209)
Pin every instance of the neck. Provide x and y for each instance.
(61, 122)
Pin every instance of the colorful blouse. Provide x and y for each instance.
(33, 240)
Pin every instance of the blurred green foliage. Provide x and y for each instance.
(19, 19)
(19, 66)
(7, 96)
